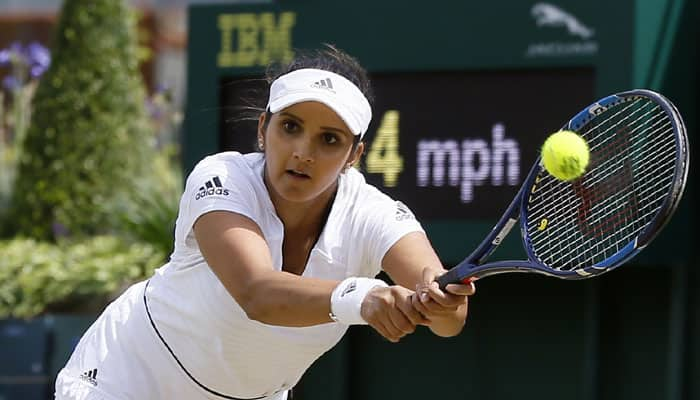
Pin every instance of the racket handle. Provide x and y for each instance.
(452, 276)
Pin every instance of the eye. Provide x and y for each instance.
(330, 138)
(290, 126)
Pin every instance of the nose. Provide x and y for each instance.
(302, 157)
(304, 152)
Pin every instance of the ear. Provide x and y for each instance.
(261, 131)
(354, 157)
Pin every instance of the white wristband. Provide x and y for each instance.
(347, 297)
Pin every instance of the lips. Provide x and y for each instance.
(298, 174)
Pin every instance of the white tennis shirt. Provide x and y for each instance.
(207, 332)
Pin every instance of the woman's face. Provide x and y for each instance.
(307, 146)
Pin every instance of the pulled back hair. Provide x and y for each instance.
(328, 58)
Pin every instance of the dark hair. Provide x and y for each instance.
(328, 58)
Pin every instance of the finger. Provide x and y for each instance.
(402, 324)
(429, 276)
(443, 298)
(381, 328)
(392, 324)
(461, 290)
(430, 308)
(434, 301)
(421, 309)
(415, 316)
(436, 309)
(410, 312)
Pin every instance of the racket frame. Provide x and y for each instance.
(473, 266)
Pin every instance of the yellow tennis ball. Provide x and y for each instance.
(565, 155)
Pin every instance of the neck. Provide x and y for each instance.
(302, 217)
(306, 217)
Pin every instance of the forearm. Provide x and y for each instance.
(284, 299)
(236, 251)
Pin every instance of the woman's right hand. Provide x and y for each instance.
(389, 311)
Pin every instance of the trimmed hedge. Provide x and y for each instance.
(89, 132)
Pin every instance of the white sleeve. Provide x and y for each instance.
(216, 185)
(388, 222)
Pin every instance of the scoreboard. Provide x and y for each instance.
(451, 145)
(465, 93)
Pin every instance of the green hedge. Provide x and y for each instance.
(89, 136)
(38, 277)
(94, 204)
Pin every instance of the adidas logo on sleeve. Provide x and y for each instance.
(90, 376)
(211, 187)
(403, 212)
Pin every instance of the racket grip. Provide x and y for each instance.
(451, 276)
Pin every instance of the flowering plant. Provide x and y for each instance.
(22, 67)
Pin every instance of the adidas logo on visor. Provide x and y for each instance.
(323, 84)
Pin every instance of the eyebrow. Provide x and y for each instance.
(329, 128)
(287, 113)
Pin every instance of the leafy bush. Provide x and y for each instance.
(38, 277)
(149, 213)
(89, 134)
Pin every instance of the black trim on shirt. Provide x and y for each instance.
(215, 393)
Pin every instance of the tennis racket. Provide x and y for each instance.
(583, 228)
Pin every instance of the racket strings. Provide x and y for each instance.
(649, 169)
(620, 216)
(633, 153)
(655, 134)
(606, 171)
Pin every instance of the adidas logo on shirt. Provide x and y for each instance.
(402, 212)
(90, 376)
(211, 187)
(324, 84)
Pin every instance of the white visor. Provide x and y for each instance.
(329, 88)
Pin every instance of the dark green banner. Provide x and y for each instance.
(491, 79)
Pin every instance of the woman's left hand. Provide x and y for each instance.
(447, 310)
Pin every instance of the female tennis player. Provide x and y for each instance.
(275, 255)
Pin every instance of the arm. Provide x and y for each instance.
(236, 251)
(412, 263)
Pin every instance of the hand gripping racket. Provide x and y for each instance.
(583, 228)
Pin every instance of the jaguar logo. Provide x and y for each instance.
(546, 14)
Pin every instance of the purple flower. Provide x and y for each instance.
(11, 83)
(38, 55)
(37, 70)
(35, 58)
(5, 57)
(17, 54)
